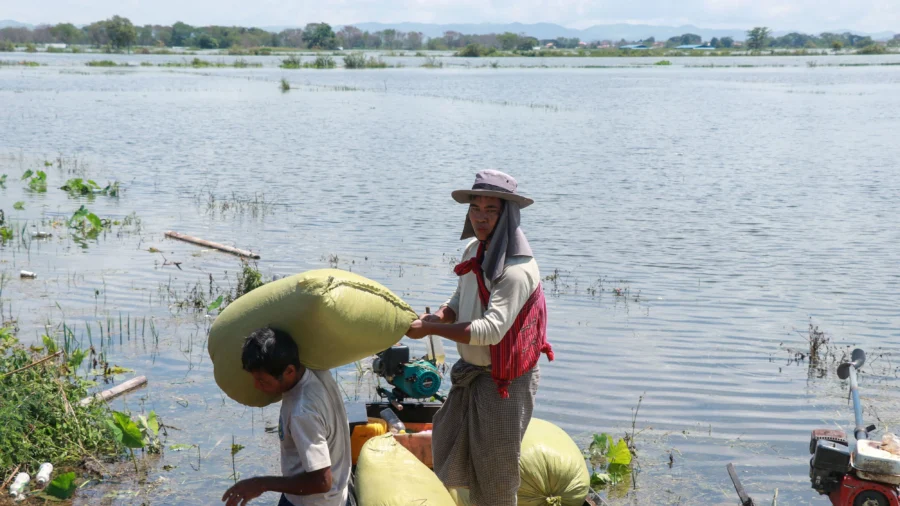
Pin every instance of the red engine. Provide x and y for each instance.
(856, 492)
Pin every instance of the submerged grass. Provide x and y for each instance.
(103, 63)
(22, 63)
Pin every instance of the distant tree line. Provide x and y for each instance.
(119, 32)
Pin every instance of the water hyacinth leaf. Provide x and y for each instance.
(76, 358)
(131, 434)
(62, 487)
(116, 431)
(619, 454)
(601, 443)
(153, 423)
(3, 181)
(18, 206)
(95, 221)
(28, 173)
(49, 344)
(215, 304)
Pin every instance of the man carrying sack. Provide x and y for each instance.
(498, 318)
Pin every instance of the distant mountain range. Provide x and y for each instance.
(15, 24)
(612, 32)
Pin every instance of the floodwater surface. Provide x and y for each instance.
(691, 224)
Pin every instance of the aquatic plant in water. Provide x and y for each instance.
(37, 181)
(78, 186)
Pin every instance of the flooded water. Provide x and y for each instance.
(693, 222)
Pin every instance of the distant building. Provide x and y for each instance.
(549, 45)
(634, 46)
(698, 47)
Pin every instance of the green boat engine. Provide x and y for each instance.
(415, 379)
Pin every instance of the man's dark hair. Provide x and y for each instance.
(269, 350)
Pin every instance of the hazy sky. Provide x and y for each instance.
(806, 15)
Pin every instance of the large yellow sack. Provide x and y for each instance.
(390, 475)
(551, 466)
(335, 317)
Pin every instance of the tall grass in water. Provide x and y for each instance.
(432, 62)
(285, 85)
(291, 62)
(324, 62)
(359, 61)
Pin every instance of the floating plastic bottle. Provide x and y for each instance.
(394, 423)
(43, 475)
(17, 489)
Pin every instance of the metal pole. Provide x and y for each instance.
(860, 431)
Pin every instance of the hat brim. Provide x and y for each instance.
(464, 196)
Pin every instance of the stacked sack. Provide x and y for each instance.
(552, 469)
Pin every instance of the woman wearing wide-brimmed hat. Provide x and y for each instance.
(498, 318)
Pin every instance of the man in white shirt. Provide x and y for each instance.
(312, 427)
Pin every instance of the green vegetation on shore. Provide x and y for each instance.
(120, 34)
(40, 412)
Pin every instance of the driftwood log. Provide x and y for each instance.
(213, 245)
(132, 384)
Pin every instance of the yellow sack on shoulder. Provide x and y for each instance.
(390, 475)
(335, 317)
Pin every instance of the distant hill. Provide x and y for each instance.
(612, 32)
(4, 23)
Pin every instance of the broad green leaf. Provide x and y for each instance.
(93, 184)
(95, 221)
(619, 454)
(42, 175)
(215, 304)
(50, 344)
(76, 358)
(131, 434)
(18, 206)
(153, 423)
(62, 487)
(601, 443)
(117, 432)
(28, 173)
